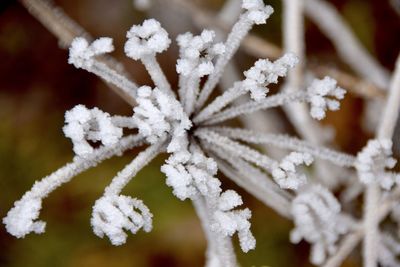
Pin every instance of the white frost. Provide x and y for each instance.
(285, 172)
(83, 125)
(81, 53)
(113, 214)
(146, 39)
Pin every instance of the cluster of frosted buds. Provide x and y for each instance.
(196, 60)
(372, 162)
(81, 54)
(21, 220)
(112, 214)
(192, 177)
(317, 218)
(265, 72)
(285, 173)
(197, 53)
(159, 114)
(228, 221)
(83, 125)
(322, 97)
(257, 12)
(146, 40)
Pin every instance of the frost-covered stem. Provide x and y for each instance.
(236, 149)
(156, 73)
(55, 20)
(192, 91)
(392, 107)
(219, 103)
(372, 194)
(287, 142)
(219, 249)
(130, 170)
(252, 106)
(63, 175)
(326, 17)
(239, 31)
(111, 76)
(182, 84)
(202, 213)
(66, 29)
(371, 224)
(346, 246)
(293, 33)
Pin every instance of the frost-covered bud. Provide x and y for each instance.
(285, 173)
(228, 221)
(203, 170)
(322, 97)
(197, 53)
(372, 162)
(191, 177)
(180, 180)
(265, 72)
(257, 11)
(81, 53)
(317, 219)
(21, 219)
(83, 124)
(159, 114)
(113, 214)
(146, 39)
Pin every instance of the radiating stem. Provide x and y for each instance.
(156, 73)
(130, 170)
(287, 142)
(252, 106)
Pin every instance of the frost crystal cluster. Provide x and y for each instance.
(187, 123)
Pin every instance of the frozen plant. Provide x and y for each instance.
(188, 125)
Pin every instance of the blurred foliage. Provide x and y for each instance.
(37, 86)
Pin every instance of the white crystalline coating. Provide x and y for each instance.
(322, 96)
(372, 162)
(285, 173)
(81, 53)
(197, 53)
(192, 177)
(21, 219)
(257, 11)
(317, 219)
(228, 221)
(265, 72)
(83, 124)
(146, 39)
(159, 114)
(113, 215)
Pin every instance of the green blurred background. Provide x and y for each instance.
(37, 86)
